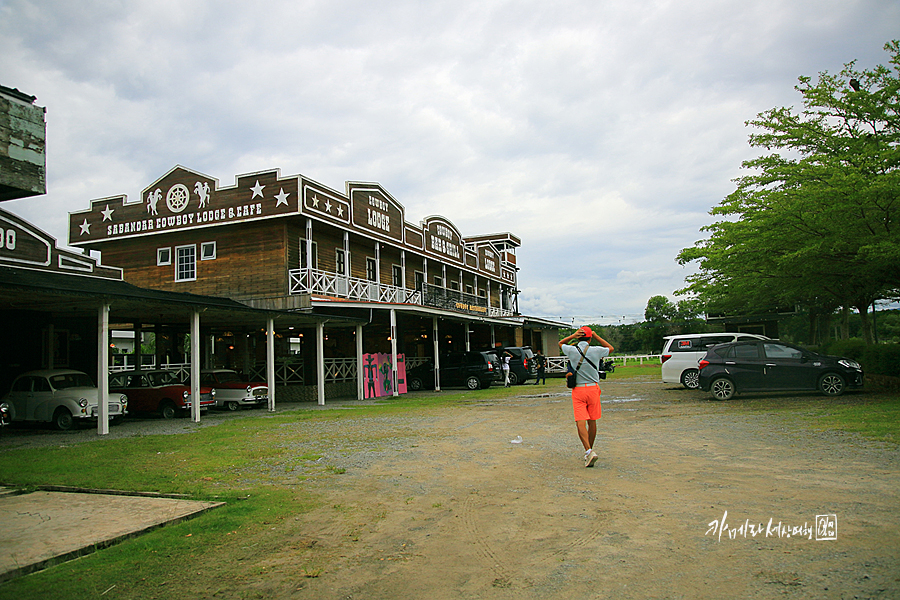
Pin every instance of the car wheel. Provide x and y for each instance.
(232, 406)
(414, 384)
(691, 379)
(168, 410)
(513, 378)
(473, 383)
(831, 384)
(722, 388)
(62, 419)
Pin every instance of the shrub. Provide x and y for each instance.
(878, 359)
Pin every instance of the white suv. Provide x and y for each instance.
(681, 353)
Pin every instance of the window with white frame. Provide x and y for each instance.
(371, 274)
(208, 251)
(454, 285)
(305, 263)
(438, 281)
(420, 280)
(470, 289)
(163, 257)
(339, 264)
(396, 275)
(186, 263)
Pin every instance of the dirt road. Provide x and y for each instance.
(446, 506)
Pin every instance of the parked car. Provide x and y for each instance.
(681, 353)
(158, 391)
(232, 392)
(471, 369)
(772, 365)
(522, 365)
(62, 397)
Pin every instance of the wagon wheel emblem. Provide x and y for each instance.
(177, 198)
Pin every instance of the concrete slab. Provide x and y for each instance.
(48, 527)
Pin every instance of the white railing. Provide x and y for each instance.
(324, 283)
(313, 281)
(285, 372)
(414, 361)
(340, 369)
(557, 364)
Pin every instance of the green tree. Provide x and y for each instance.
(659, 310)
(819, 226)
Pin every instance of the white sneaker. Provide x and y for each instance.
(590, 458)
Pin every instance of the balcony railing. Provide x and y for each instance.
(314, 281)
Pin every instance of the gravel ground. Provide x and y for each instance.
(450, 503)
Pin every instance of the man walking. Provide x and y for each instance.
(541, 361)
(586, 360)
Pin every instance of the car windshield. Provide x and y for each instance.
(164, 378)
(70, 380)
(228, 377)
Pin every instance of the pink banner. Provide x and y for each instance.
(377, 375)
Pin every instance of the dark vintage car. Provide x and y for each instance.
(522, 365)
(473, 370)
(771, 365)
(158, 391)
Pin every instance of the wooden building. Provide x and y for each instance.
(293, 244)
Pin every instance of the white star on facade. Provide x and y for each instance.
(257, 190)
(328, 206)
(85, 227)
(282, 198)
(340, 210)
(315, 201)
(107, 214)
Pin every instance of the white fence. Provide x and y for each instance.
(557, 364)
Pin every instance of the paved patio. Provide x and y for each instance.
(44, 528)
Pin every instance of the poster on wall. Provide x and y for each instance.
(377, 375)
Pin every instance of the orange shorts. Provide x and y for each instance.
(586, 402)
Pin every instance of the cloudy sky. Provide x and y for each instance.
(601, 132)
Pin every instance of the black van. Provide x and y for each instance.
(522, 365)
(471, 369)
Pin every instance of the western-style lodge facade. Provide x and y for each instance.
(371, 281)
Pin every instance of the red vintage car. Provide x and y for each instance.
(158, 391)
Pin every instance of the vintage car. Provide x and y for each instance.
(232, 392)
(62, 397)
(158, 391)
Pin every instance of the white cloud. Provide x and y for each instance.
(601, 133)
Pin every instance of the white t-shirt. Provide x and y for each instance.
(587, 373)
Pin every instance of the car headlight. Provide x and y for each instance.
(249, 389)
(186, 394)
(212, 392)
(850, 364)
(123, 399)
(82, 402)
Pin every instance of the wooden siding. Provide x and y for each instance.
(250, 261)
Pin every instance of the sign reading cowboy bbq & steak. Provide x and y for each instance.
(375, 211)
(443, 239)
(183, 199)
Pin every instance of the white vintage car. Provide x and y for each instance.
(59, 396)
(232, 392)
